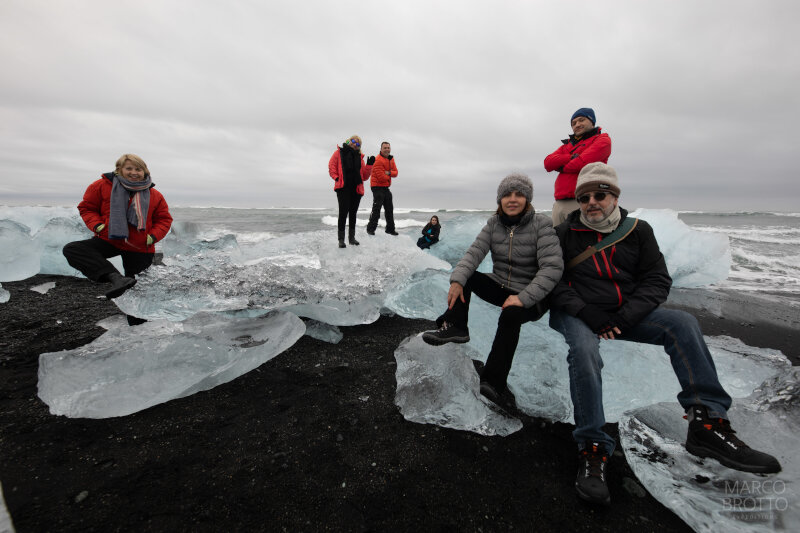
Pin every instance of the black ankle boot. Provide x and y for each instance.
(714, 438)
(341, 240)
(119, 284)
(352, 239)
(591, 483)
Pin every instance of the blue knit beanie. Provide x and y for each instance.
(587, 112)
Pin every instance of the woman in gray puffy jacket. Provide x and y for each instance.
(527, 265)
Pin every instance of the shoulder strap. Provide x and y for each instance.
(622, 231)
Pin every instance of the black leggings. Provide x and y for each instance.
(91, 258)
(498, 364)
(348, 207)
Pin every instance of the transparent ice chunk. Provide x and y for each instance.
(128, 369)
(5, 519)
(707, 495)
(323, 332)
(21, 255)
(694, 258)
(305, 273)
(439, 385)
(44, 287)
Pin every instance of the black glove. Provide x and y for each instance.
(598, 320)
(371, 160)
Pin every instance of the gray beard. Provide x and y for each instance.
(607, 225)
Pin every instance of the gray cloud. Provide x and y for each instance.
(242, 104)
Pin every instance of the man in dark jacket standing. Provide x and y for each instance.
(587, 144)
(383, 171)
(616, 293)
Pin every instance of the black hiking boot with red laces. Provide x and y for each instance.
(447, 333)
(591, 481)
(714, 438)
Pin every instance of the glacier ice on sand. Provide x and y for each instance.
(128, 369)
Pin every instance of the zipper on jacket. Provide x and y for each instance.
(510, 247)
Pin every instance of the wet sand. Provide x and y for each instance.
(291, 446)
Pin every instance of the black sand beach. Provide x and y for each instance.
(291, 446)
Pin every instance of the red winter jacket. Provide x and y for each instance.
(96, 207)
(570, 158)
(337, 173)
(379, 169)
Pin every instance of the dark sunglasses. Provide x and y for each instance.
(354, 142)
(599, 196)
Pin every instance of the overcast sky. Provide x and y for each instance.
(242, 103)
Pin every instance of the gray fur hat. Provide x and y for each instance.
(515, 182)
(596, 177)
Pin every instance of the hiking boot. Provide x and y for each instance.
(353, 241)
(119, 284)
(393, 232)
(447, 333)
(591, 481)
(341, 240)
(714, 438)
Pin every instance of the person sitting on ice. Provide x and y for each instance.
(527, 265)
(430, 233)
(615, 294)
(127, 216)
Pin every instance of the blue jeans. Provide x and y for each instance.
(677, 331)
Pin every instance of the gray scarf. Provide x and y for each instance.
(123, 212)
(607, 225)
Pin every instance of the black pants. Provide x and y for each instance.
(348, 207)
(91, 258)
(498, 364)
(425, 244)
(381, 197)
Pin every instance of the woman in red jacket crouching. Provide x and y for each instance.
(128, 216)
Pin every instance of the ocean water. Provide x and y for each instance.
(765, 247)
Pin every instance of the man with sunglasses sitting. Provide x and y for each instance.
(616, 293)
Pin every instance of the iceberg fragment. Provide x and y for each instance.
(707, 495)
(44, 287)
(5, 519)
(21, 255)
(304, 273)
(694, 258)
(323, 332)
(128, 369)
(439, 385)
(635, 375)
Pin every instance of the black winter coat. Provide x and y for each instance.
(434, 233)
(629, 279)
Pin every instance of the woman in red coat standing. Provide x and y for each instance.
(128, 216)
(348, 171)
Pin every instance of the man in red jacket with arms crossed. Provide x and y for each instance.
(587, 144)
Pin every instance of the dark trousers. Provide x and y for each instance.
(91, 258)
(381, 197)
(498, 364)
(423, 243)
(348, 207)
